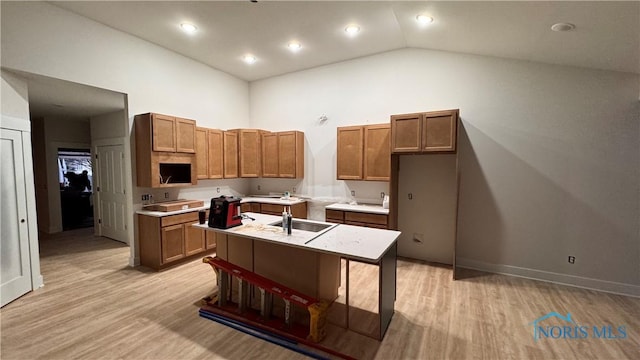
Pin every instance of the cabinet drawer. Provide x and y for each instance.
(179, 219)
(335, 215)
(369, 225)
(271, 209)
(365, 218)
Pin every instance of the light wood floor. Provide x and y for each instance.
(94, 306)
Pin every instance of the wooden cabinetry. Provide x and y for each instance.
(249, 152)
(215, 144)
(165, 240)
(270, 155)
(364, 152)
(350, 153)
(230, 158)
(380, 221)
(283, 154)
(165, 151)
(202, 154)
(434, 131)
(377, 152)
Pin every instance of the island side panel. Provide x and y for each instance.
(291, 267)
(387, 296)
(328, 276)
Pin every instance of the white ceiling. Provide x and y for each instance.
(607, 34)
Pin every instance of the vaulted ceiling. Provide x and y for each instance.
(606, 34)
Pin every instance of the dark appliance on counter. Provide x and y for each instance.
(224, 212)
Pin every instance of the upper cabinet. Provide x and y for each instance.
(364, 152)
(270, 155)
(165, 151)
(202, 153)
(283, 154)
(230, 157)
(291, 154)
(377, 152)
(350, 152)
(424, 132)
(249, 152)
(172, 134)
(215, 147)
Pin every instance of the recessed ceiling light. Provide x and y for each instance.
(424, 19)
(294, 46)
(188, 28)
(562, 27)
(249, 59)
(352, 29)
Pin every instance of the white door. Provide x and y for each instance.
(15, 263)
(110, 192)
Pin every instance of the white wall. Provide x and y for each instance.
(109, 126)
(549, 154)
(43, 39)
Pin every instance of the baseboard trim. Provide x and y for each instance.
(557, 278)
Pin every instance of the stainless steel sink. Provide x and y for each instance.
(306, 225)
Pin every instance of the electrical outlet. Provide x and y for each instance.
(293, 190)
(382, 195)
(145, 197)
(218, 190)
(572, 259)
(353, 193)
(166, 195)
(258, 187)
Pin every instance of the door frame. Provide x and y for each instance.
(24, 126)
(127, 186)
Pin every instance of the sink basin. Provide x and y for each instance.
(306, 225)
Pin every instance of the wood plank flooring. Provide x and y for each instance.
(94, 306)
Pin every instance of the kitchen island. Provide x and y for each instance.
(309, 260)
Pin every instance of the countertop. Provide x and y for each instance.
(372, 209)
(354, 242)
(207, 204)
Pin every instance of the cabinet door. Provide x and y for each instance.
(230, 141)
(377, 152)
(350, 145)
(216, 150)
(290, 154)
(193, 239)
(406, 133)
(270, 155)
(439, 131)
(172, 243)
(202, 153)
(185, 136)
(250, 159)
(164, 133)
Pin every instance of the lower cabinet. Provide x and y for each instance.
(379, 221)
(168, 239)
(298, 211)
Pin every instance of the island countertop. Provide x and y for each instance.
(355, 242)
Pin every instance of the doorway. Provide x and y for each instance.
(75, 176)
